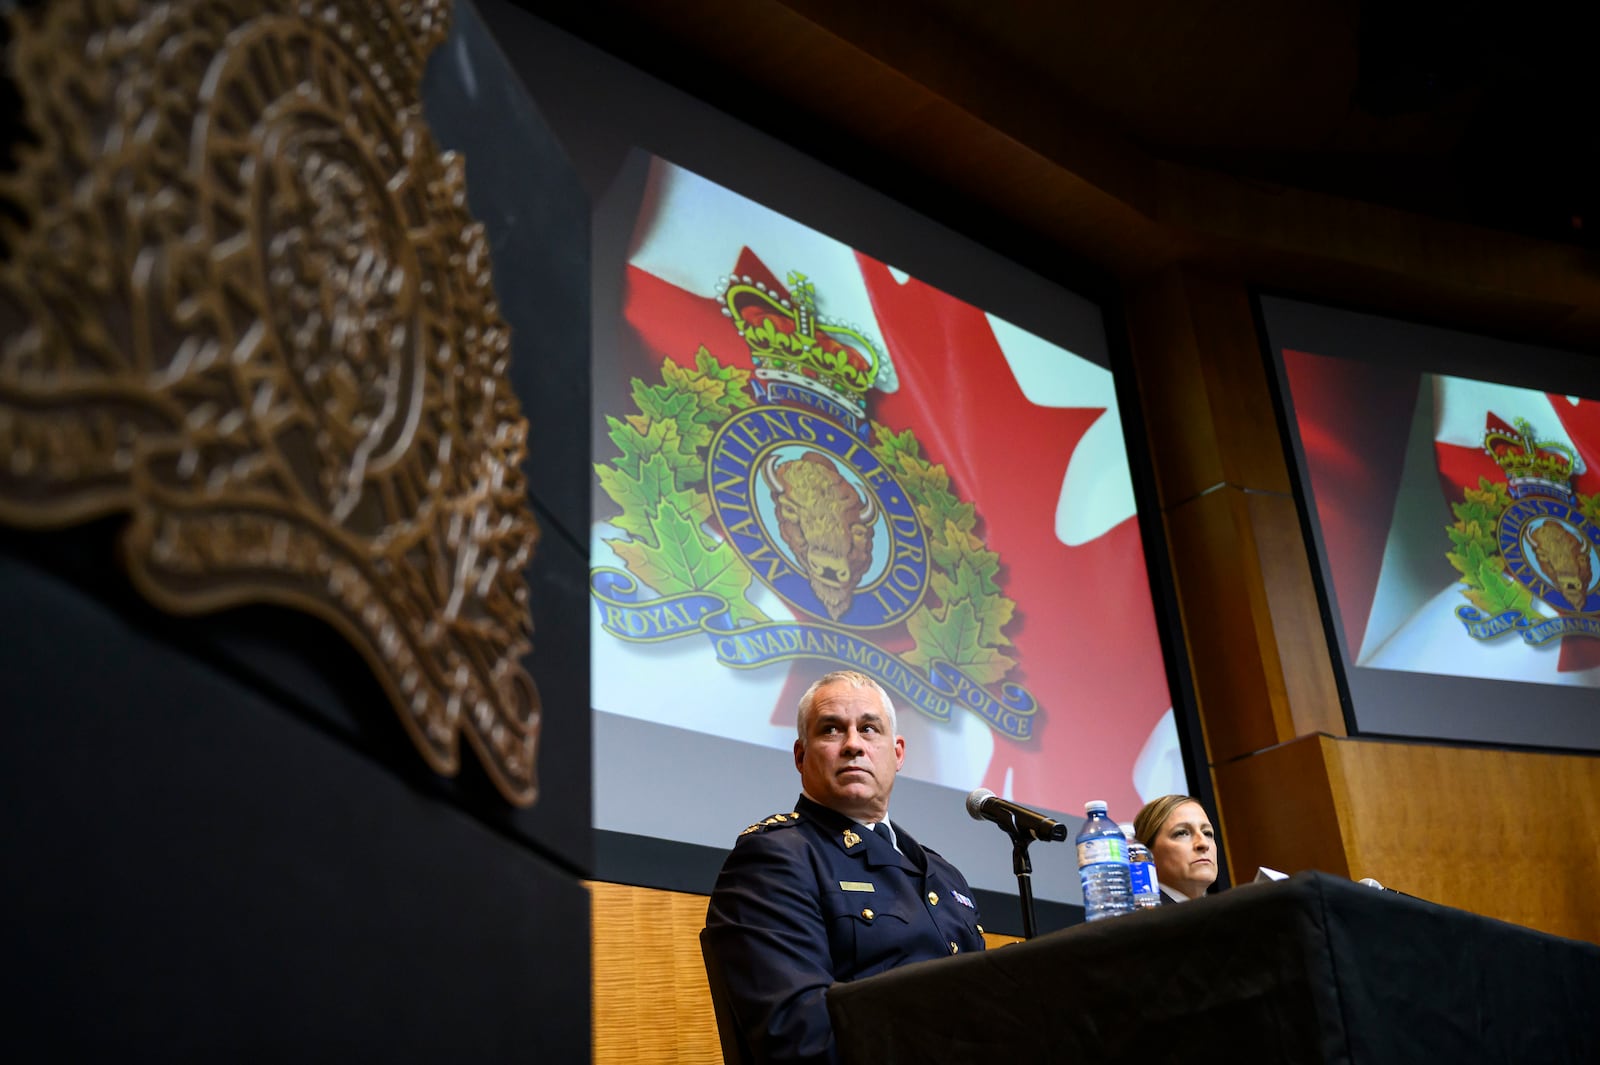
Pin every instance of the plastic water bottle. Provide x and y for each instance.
(1103, 865)
(1142, 873)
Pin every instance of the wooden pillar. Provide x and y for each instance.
(1254, 636)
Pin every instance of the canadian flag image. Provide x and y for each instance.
(1392, 456)
(1037, 579)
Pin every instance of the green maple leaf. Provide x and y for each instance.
(966, 628)
(638, 438)
(640, 522)
(973, 583)
(637, 493)
(947, 508)
(695, 400)
(718, 390)
(956, 638)
(891, 445)
(1463, 533)
(679, 557)
(992, 613)
(976, 573)
(731, 376)
(1470, 560)
(928, 485)
(1488, 500)
(1589, 507)
(952, 544)
(972, 577)
(654, 479)
(667, 403)
(1489, 494)
(1496, 594)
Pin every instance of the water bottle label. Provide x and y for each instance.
(1102, 849)
(1139, 877)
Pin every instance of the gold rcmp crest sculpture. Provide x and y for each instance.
(243, 302)
(1528, 548)
(842, 518)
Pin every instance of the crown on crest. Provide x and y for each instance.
(801, 356)
(1532, 465)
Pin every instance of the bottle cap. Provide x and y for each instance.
(1095, 806)
(1127, 830)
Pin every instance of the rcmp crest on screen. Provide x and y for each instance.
(1529, 549)
(817, 517)
(805, 493)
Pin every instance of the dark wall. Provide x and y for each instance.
(220, 844)
(199, 871)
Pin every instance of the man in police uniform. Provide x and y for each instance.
(831, 891)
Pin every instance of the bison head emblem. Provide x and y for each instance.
(1565, 558)
(827, 524)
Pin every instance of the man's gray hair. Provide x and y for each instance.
(855, 680)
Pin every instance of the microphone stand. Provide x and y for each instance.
(1023, 867)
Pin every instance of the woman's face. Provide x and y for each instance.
(1185, 853)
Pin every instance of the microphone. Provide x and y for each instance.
(985, 805)
(1367, 881)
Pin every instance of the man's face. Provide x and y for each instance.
(848, 758)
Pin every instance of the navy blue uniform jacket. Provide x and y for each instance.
(811, 897)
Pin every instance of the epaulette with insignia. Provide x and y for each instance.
(783, 820)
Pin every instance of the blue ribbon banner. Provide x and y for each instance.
(935, 694)
(1481, 626)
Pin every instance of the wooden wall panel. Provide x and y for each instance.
(1390, 260)
(1204, 386)
(1277, 809)
(1172, 389)
(1304, 659)
(1508, 834)
(1237, 385)
(1258, 652)
(651, 1000)
(1233, 652)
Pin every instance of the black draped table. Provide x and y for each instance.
(1312, 969)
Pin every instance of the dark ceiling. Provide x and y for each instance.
(1466, 111)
